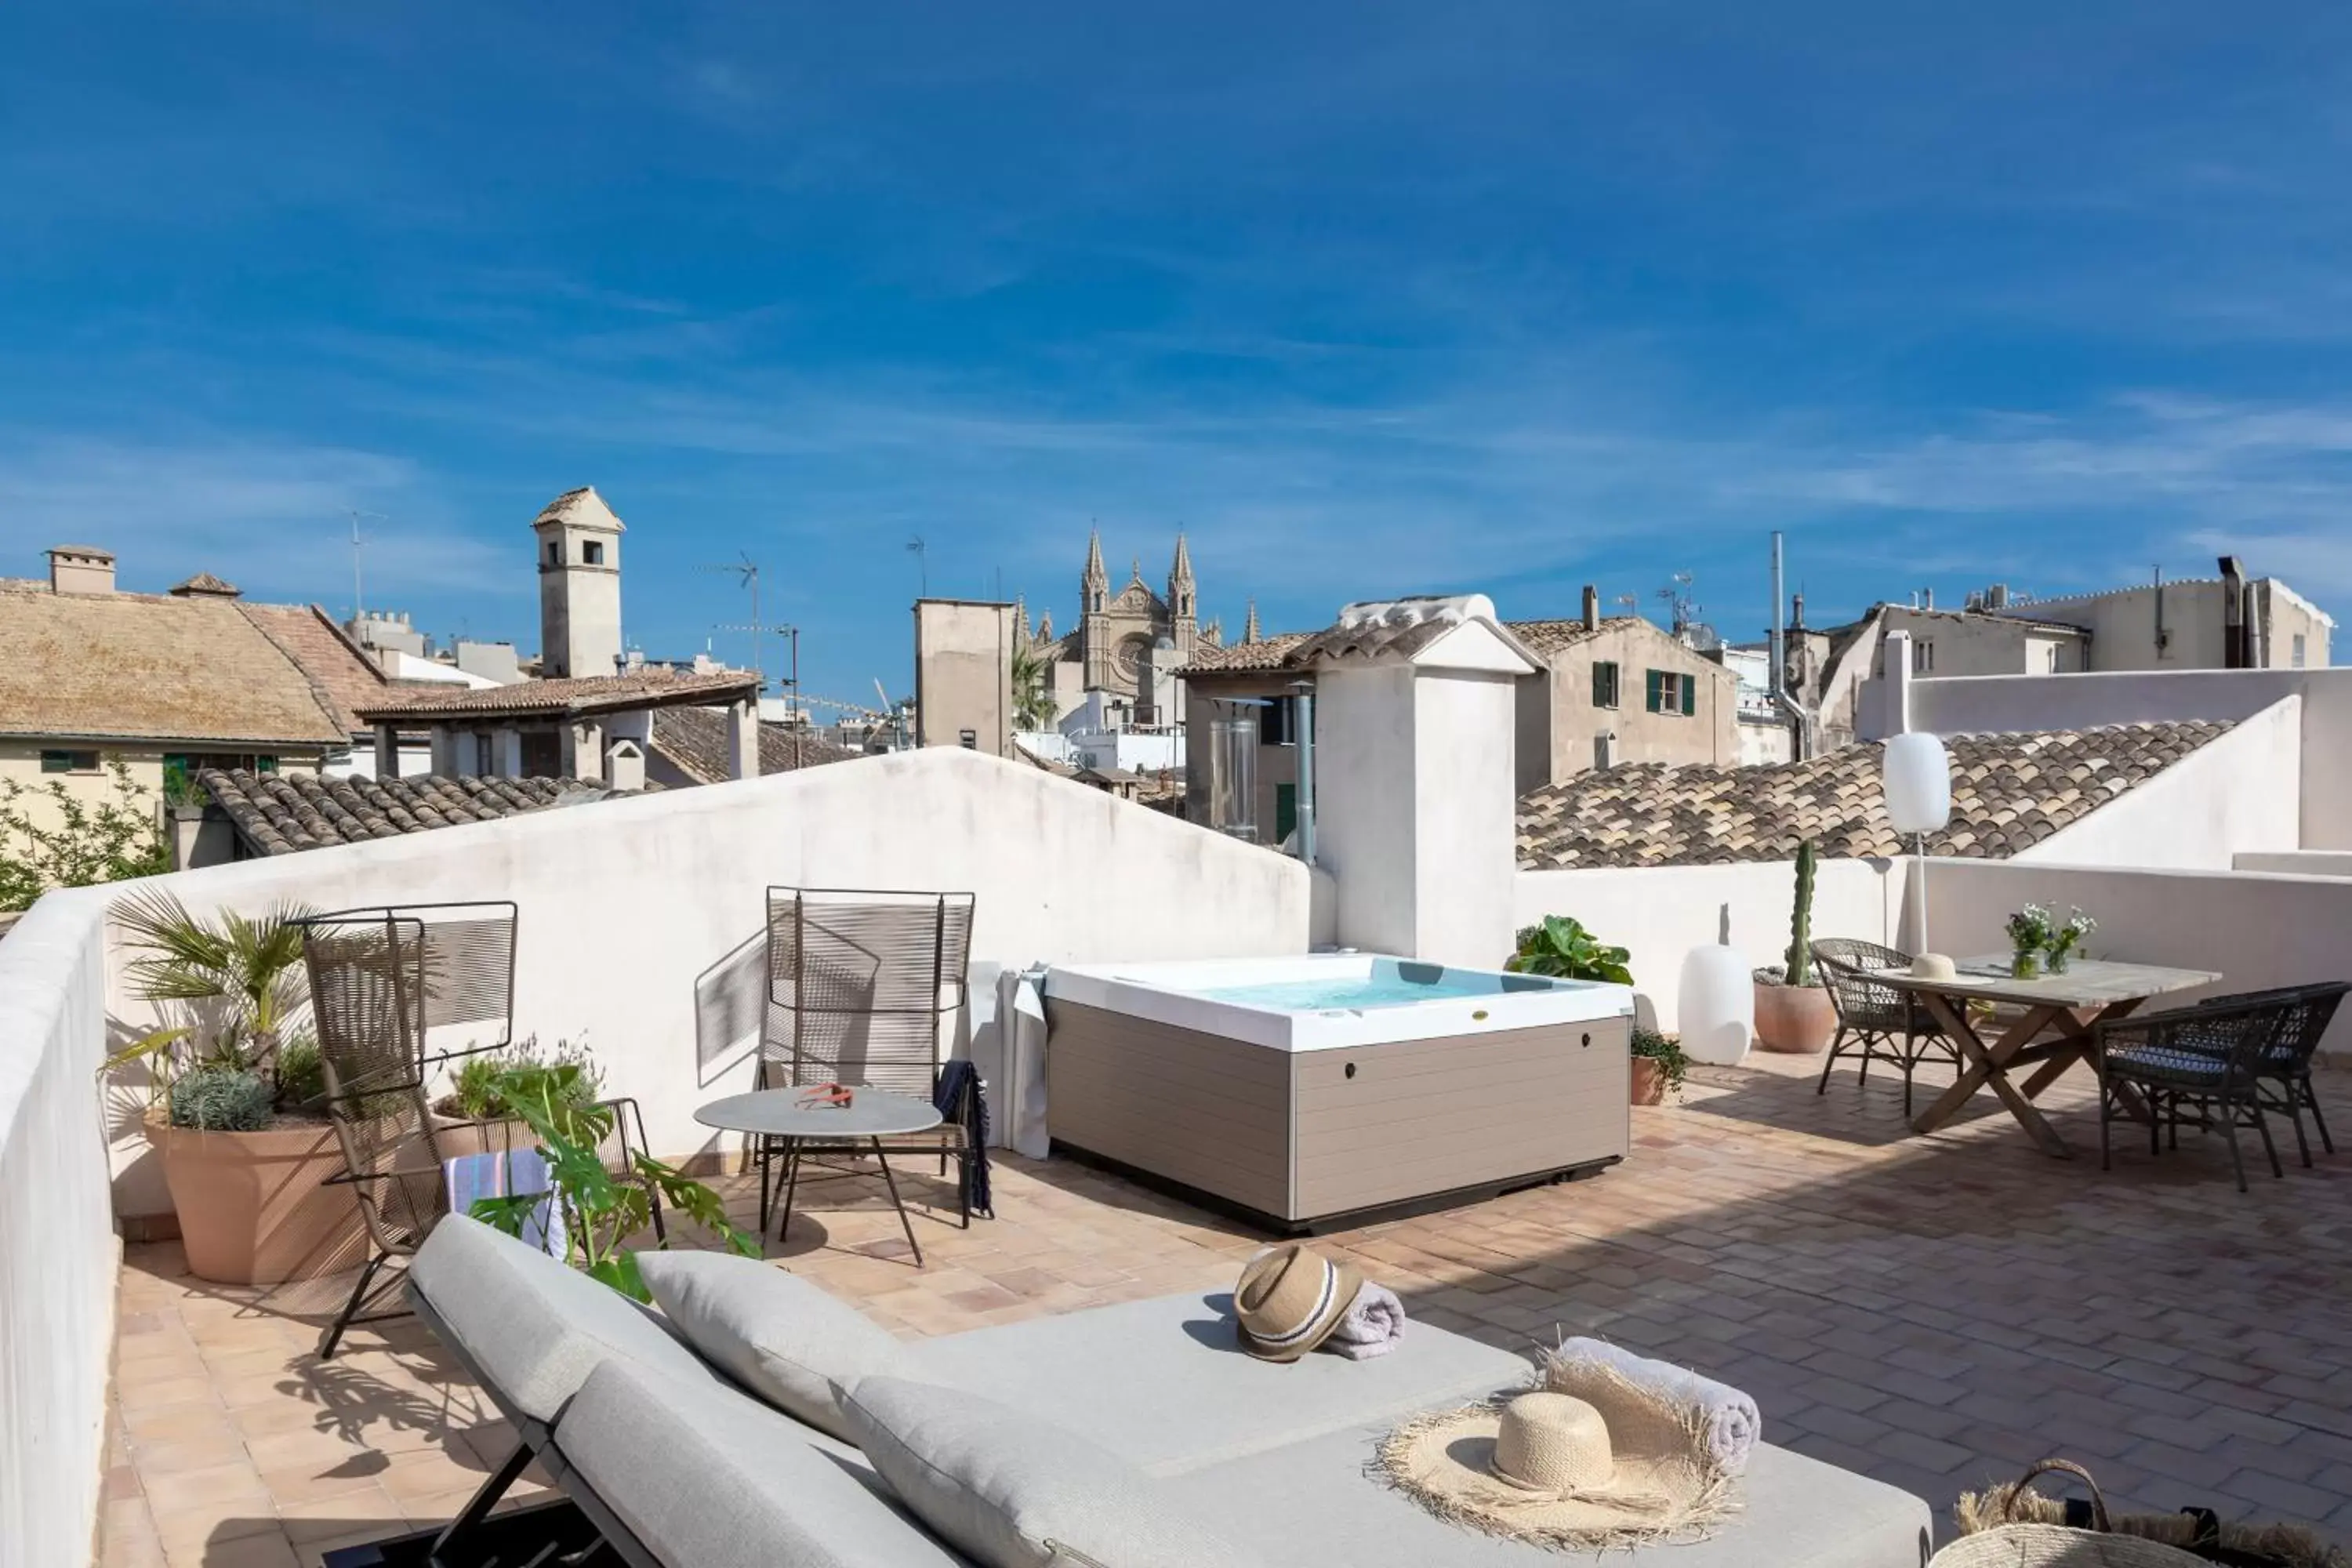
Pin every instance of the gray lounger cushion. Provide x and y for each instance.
(1176, 1358)
(1006, 1488)
(708, 1479)
(1313, 1502)
(533, 1327)
(778, 1335)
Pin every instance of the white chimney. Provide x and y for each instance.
(80, 569)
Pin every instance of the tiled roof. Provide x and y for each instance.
(1266, 653)
(582, 507)
(695, 739)
(148, 666)
(342, 676)
(1292, 651)
(2009, 792)
(576, 695)
(204, 583)
(279, 813)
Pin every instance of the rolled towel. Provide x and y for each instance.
(1374, 1325)
(1731, 1425)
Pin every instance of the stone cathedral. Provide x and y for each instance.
(1121, 636)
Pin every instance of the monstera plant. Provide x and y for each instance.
(1559, 947)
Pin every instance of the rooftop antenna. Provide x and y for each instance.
(747, 573)
(920, 552)
(359, 607)
(1679, 607)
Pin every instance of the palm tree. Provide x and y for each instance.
(243, 977)
(1032, 696)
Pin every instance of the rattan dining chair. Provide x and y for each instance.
(2204, 1059)
(861, 984)
(1876, 1022)
(2284, 1078)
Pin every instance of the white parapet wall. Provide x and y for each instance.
(2255, 929)
(1658, 914)
(641, 920)
(58, 1250)
(2238, 794)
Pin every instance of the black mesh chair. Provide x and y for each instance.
(1876, 1022)
(2284, 1078)
(860, 985)
(2196, 1063)
(373, 976)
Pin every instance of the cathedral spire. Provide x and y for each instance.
(1095, 576)
(1021, 616)
(1179, 576)
(1249, 626)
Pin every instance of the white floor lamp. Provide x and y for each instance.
(1916, 774)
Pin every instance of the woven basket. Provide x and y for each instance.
(2127, 1540)
(2039, 1545)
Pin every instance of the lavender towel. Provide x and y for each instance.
(498, 1176)
(1733, 1424)
(1372, 1327)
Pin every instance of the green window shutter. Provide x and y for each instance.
(1690, 696)
(265, 764)
(1652, 699)
(1600, 675)
(1286, 811)
(175, 768)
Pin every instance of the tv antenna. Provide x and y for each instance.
(746, 574)
(359, 608)
(1680, 608)
(921, 552)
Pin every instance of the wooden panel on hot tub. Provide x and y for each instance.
(1421, 1117)
(1209, 1112)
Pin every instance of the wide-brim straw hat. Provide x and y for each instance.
(1289, 1299)
(1600, 1463)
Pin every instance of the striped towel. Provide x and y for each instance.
(519, 1171)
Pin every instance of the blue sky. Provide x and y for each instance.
(1371, 299)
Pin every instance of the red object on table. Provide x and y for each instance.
(837, 1096)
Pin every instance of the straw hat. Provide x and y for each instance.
(1610, 1465)
(1290, 1299)
(1933, 966)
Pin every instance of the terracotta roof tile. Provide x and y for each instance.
(150, 667)
(548, 698)
(281, 814)
(342, 674)
(695, 740)
(2009, 793)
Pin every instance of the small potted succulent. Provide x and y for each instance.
(2029, 935)
(1658, 1064)
(1793, 1010)
(2064, 938)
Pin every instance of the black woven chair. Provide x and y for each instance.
(1876, 1022)
(2192, 1064)
(860, 985)
(2284, 1077)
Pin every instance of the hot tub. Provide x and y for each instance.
(1311, 1092)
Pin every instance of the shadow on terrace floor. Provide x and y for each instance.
(1933, 1311)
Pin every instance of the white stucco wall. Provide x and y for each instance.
(2298, 862)
(58, 1250)
(1465, 828)
(1969, 706)
(1659, 913)
(641, 918)
(2241, 793)
(2257, 931)
(1363, 802)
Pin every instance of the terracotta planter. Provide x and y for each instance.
(456, 1138)
(252, 1206)
(1648, 1082)
(1800, 1019)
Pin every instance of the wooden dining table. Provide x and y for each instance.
(2050, 1033)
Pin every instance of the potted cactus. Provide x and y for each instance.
(1793, 1011)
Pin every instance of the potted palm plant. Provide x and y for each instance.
(235, 1083)
(1793, 1011)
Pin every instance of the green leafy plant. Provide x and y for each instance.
(1667, 1053)
(74, 842)
(601, 1212)
(1559, 947)
(1799, 970)
(1033, 693)
(220, 1099)
(235, 985)
(476, 1090)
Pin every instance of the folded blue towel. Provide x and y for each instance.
(511, 1174)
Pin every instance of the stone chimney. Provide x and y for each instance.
(1997, 597)
(80, 569)
(1591, 609)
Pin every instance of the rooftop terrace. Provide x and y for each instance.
(1936, 1313)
